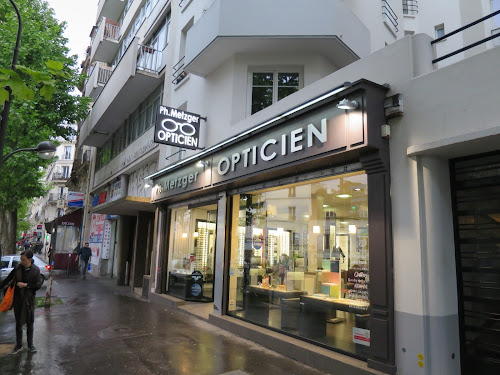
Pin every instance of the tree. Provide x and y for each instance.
(34, 118)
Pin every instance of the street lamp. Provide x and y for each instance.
(45, 150)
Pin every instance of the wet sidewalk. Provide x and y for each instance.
(104, 329)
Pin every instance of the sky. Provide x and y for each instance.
(80, 16)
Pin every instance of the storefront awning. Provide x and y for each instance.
(125, 206)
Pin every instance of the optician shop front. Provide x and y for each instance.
(287, 226)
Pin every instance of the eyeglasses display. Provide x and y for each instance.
(299, 261)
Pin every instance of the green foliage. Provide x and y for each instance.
(42, 85)
(22, 215)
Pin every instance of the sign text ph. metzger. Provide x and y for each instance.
(177, 128)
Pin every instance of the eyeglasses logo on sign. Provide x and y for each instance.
(177, 128)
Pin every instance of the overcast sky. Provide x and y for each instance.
(80, 16)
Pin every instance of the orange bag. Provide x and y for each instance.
(6, 304)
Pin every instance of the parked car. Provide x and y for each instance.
(8, 263)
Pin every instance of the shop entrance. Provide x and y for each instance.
(191, 257)
(476, 205)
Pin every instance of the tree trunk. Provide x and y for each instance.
(8, 228)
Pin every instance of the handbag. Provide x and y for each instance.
(8, 299)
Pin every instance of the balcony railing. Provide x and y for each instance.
(59, 176)
(179, 73)
(149, 59)
(390, 17)
(410, 7)
(111, 31)
(491, 37)
(86, 156)
(103, 74)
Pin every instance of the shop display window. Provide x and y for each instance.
(192, 253)
(299, 261)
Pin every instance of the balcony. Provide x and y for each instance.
(59, 177)
(231, 27)
(135, 77)
(99, 76)
(110, 8)
(105, 41)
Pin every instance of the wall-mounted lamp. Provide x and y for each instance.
(348, 104)
(203, 163)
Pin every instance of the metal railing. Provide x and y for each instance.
(103, 74)
(389, 14)
(148, 59)
(111, 31)
(410, 7)
(179, 73)
(470, 45)
(59, 176)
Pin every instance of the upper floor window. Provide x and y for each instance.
(495, 5)
(67, 152)
(271, 86)
(65, 172)
(439, 31)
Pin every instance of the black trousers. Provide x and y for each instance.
(19, 333)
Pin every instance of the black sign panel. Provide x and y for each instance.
(179, 128)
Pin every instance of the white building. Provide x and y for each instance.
(53, 204)
(295, 214)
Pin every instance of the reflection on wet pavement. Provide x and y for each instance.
(104, 329)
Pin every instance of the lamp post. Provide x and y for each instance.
(45, 150)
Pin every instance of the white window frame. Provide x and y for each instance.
(67, 152)
(439, 27)
(275, 70)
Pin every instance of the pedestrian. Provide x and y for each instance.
(84, 254)
(27, 245)
(28, 280)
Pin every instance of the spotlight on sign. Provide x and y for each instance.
(202, 164)
(348, 104)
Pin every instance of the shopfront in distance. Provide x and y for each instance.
(288, 226)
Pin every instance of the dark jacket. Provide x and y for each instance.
(24, 298)
(85, 253)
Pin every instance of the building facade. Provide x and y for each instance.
(311, 182)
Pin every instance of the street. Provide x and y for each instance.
(103, 329)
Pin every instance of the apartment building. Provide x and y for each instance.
(53, 205)
(288, 167)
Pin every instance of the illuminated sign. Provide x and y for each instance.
(177, 128)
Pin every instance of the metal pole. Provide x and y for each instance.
(6, 106)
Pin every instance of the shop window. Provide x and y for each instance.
(307, 277)
(269, 87)
(192, 253)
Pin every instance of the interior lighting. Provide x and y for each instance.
(279, 230)
(195, 234)
(347, 104)
(344, 196)
(316, 229)
(352, 229)
(184, 235)
(307, 215)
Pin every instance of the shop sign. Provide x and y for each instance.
(181, 181)
(75, 199)
(39, 226)
(323, 131)
(106, 240)
(118, 189)
(100, 198)
(177, 128)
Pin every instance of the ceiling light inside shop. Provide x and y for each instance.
(307, 215)
(316, 229)
(279, 230)
(357, 189)
(344, 196)
(325, 205)
(184, 235)
(195, 234)
(344, 222)
(352, 229)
